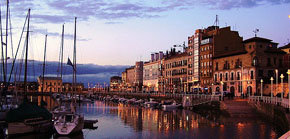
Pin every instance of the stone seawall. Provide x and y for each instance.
(276, 115)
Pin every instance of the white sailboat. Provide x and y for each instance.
(70, 122)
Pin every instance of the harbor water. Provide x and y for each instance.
(116, 120)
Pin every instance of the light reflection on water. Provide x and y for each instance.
(125, 121)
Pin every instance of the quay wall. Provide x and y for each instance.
(156, 96)
(277, 116)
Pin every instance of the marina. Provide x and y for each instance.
(129, 120)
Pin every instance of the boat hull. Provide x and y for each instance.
(64, 129)
(17, 128)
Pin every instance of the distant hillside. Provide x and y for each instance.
(85, 72)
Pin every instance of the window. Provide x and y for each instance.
(232, 76)
(255, 61)
(216, 66)
(221, 76)
(268, 61)
(238, 75)
(250, 46)
(226, 76)
(252, 74)
(280, 62)
(215, 77)
(260, 73)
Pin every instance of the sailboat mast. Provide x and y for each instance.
(74, 57)
(26, 55)
(61, 60)
(43, 67)
(2, 50)
(6, 41)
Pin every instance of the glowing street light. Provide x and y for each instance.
(271, 87)
(288, 86)
(261, 88)
(282, 76)
(276, 70)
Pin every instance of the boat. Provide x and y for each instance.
(151, 103)
(174, 105)
(28, 117)
(68, 123)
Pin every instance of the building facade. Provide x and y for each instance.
(240, 71)
(51, 84)
(115, 83)
(152, 73)
(175, 72)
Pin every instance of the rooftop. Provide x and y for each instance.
(257, 39)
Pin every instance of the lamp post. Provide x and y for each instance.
(181, 87)
(271, 88)
(242, 93)
(222, 83)
(261, 88)
(288, 88)
(212, 89)
(282, 76)
(276, 70)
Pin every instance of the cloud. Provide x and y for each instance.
(113, 22)
(230, 4)
(56, 34)
(115, 10)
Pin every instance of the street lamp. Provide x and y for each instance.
(288, 86)
(276, 70)
(212, 89)
(282, 76)
(242, 81)
(271, 87)
(222, 83)
(181, 87)
(261, 88)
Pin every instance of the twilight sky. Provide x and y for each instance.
(115, 32)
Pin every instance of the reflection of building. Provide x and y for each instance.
(242, 70)
(151, 72)
(115, 83)
(51, 84)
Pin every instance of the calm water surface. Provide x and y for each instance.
(125, 121)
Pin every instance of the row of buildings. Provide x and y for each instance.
(216, 59)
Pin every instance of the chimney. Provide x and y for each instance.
(152, 57)
(161, 55)
(156, 56)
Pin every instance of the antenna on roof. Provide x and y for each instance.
(256, 31)
(216, 22)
